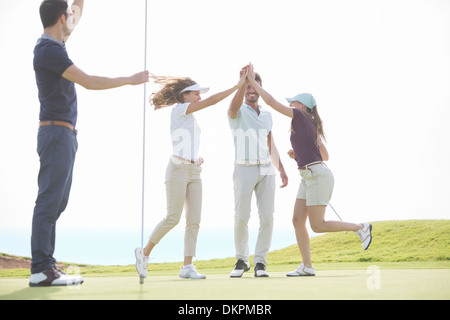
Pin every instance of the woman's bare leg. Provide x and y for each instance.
(316, 216)
(301, 233)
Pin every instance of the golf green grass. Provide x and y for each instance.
(366, 282)
(406, 260)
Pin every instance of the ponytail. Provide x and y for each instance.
(170, 93)
(313, 114)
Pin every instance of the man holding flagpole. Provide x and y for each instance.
(56, 76)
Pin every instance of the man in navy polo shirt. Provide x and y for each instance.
(56, 76)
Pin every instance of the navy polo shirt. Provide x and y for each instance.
(57, 95)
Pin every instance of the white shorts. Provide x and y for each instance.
(316, 186)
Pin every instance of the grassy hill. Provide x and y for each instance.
(393, 241)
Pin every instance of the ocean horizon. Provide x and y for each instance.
(116, 247)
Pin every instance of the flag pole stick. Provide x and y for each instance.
(141, 280)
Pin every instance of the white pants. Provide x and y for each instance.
(261, 180)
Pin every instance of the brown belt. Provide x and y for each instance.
(59, 124)
(310, 165)
(187, 161)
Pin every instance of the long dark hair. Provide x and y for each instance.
(170, 93)
(313, 115)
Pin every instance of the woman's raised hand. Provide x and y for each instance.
(243, 78)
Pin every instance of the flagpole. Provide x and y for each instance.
(144, 134)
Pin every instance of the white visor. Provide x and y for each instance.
(195, 87)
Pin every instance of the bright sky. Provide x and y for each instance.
(380, 72)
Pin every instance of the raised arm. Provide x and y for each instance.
(238, 98)
(268, 99)
(77, 11)
(216, 98)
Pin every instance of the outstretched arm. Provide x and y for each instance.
(75, 74)
(216, 98)
(267, 97)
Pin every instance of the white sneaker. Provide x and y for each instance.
(365, 234)
(141, 262)
(302, 271)
(54, 277)
(190, 272)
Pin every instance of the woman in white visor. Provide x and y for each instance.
(183, 180)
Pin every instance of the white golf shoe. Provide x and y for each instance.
(54, 277)
(365, 234)
(302, 271)
(190, 272)
(260, 270)
(239, 269)
(141, 262)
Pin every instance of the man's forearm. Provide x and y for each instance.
(104, 83)
(276, 159)
(236, 103)
(75, 74)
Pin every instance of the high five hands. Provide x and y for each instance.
(249, 71)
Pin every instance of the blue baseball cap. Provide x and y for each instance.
(305, 98)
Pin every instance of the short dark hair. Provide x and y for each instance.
(51, 11)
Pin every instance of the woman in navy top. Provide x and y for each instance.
(317, 183)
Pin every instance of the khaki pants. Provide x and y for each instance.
(261, 180)
(183, 189)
